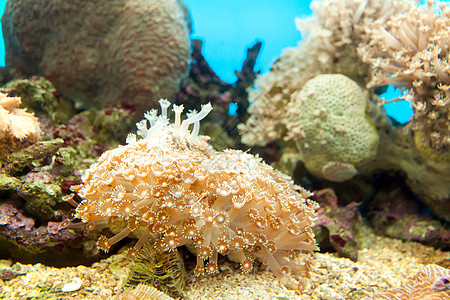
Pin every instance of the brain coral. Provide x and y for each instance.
(100, 52)
(329, 123)
(172, 185)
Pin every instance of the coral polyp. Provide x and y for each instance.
(172, 185)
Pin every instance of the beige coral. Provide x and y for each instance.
(16, 123)
(412, 51)
(172, 185)
(328, 121)
(331, 36)
(100, 53)
(425, 285)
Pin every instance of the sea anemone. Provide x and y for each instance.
(174, 186)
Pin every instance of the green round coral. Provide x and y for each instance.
(329, 121)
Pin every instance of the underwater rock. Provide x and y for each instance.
(23, 241)
(172, 185)
(98, 53)
(335, 229)
(36, 174)
(40, 199)
(107, 126)
(427, 173)
(8, 183)
(39, 192)
(414, 228)
(394, 214)
(17, 161)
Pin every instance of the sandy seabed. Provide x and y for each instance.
(383, 264)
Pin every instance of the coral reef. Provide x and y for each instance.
(277, 116)
(17, 127)
(100, 52)
(328, 121)
(411, 50)
(424, 285)
(331, 36)
(172, 185)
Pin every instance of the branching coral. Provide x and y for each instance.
(425, 285)
(172, 185)
(331, 37)
(15, 123)
(412, 50)
(337, 27)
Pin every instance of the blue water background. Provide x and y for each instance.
(228, 27)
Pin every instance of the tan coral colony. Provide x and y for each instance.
(17, 123)
(172, 185)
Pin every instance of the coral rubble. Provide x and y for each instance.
(100, 52)
(172, 185)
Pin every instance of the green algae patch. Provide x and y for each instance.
(40, 96)
(17, 161)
